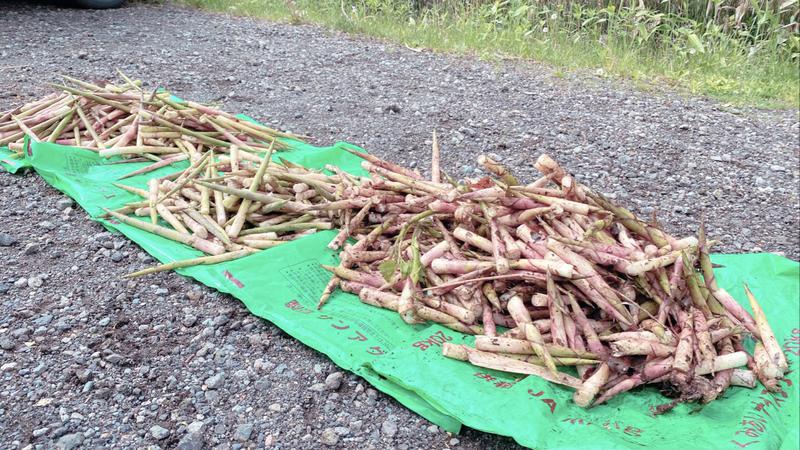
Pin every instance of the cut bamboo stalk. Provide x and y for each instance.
(199, 244)
(214, 259)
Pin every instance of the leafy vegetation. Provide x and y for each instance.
(745, 52)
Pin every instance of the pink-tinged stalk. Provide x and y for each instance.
(100, 122)
(386, 165)
(497, 362)
(742, 377)
(451, 266)
(512, 251)
(516, 308)
(437, 251)
(456, 282)
(559, 268)
(644, 347)
(655, 287)
(550, 168)
(329, 288)
(503, 320)
(566, 205)
(586, 393)
(771, 344)
(623, 386)
(583, 370)
(625, 239)
(639, 267)
(766, 370)
(676, 277)
(570, 331)
(525, 234)
(405, 305)
(489, 327)
(366, 255)
(540, 182)
(499, 250)
(556, 305)
(484, 194)
(657, 368)
(722, 333)
(366, 278)
(522, 216)
(605, 259)
(347, 230)
(592, 340)
(443, 207)
(573, 225)
(378, 298)
(585, 269)
(473, 239)
(520, 203)
(736, 310)
(562, 229)
(683, 353)
(528, 252)
(705, 347)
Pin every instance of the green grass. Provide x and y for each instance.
(752, 73)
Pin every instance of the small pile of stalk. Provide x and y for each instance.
(548, 275)
(128, 121)
(228, 207)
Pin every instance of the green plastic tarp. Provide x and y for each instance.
(11, 163)
(283, 284)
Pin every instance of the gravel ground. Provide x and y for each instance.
(88, 359)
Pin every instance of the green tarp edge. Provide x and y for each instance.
(12, 165)
(283, 283)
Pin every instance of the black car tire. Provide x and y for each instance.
(100, 4)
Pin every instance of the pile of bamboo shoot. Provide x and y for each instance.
(229, 208)
(129, 121)
(547, 275)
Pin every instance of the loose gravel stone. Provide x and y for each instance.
(215, 381)
(7, 240)
(70, 441)
(115, 358)
(329, 437)
(158, 432)
(243, 432)
(31, 248)
(334, 380)
(192, 441)
(35, 282)
(189, 320)
(64, 203)
(389, 427)
(6, 343)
